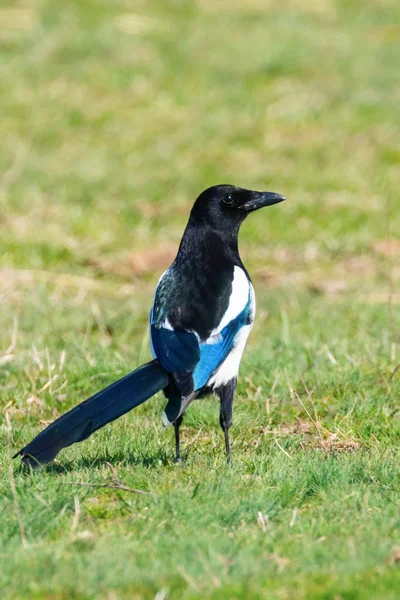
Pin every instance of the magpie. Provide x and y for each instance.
(202, 314)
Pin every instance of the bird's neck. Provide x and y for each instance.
(203, 240)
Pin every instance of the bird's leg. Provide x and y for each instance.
(177, 425)
(226, 395)
(171, 414)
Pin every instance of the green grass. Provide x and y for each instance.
(114, 116)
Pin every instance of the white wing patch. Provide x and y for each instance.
(237, 300)
(230, 367)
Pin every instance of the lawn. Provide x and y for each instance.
(114, 116)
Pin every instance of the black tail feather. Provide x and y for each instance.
(80, 422)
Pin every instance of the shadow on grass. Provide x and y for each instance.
(151, 460)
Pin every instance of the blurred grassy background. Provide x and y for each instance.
(114, 116)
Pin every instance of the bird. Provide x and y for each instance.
(203, 311)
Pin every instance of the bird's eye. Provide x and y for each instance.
(229, 199)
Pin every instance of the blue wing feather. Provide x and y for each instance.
(177, 351)
(212, 355)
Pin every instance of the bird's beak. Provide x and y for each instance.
(261, 199)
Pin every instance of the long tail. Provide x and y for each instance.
(80, 422)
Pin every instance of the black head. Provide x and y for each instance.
(224, 207)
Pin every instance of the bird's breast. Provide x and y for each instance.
(241, 297)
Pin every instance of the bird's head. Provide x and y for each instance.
(224, 207)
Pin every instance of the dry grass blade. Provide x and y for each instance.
(115, 486)
(295, 394)
(393, 373)
(282, 449)
(77, 514)
(189, 579)
(115, 483)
